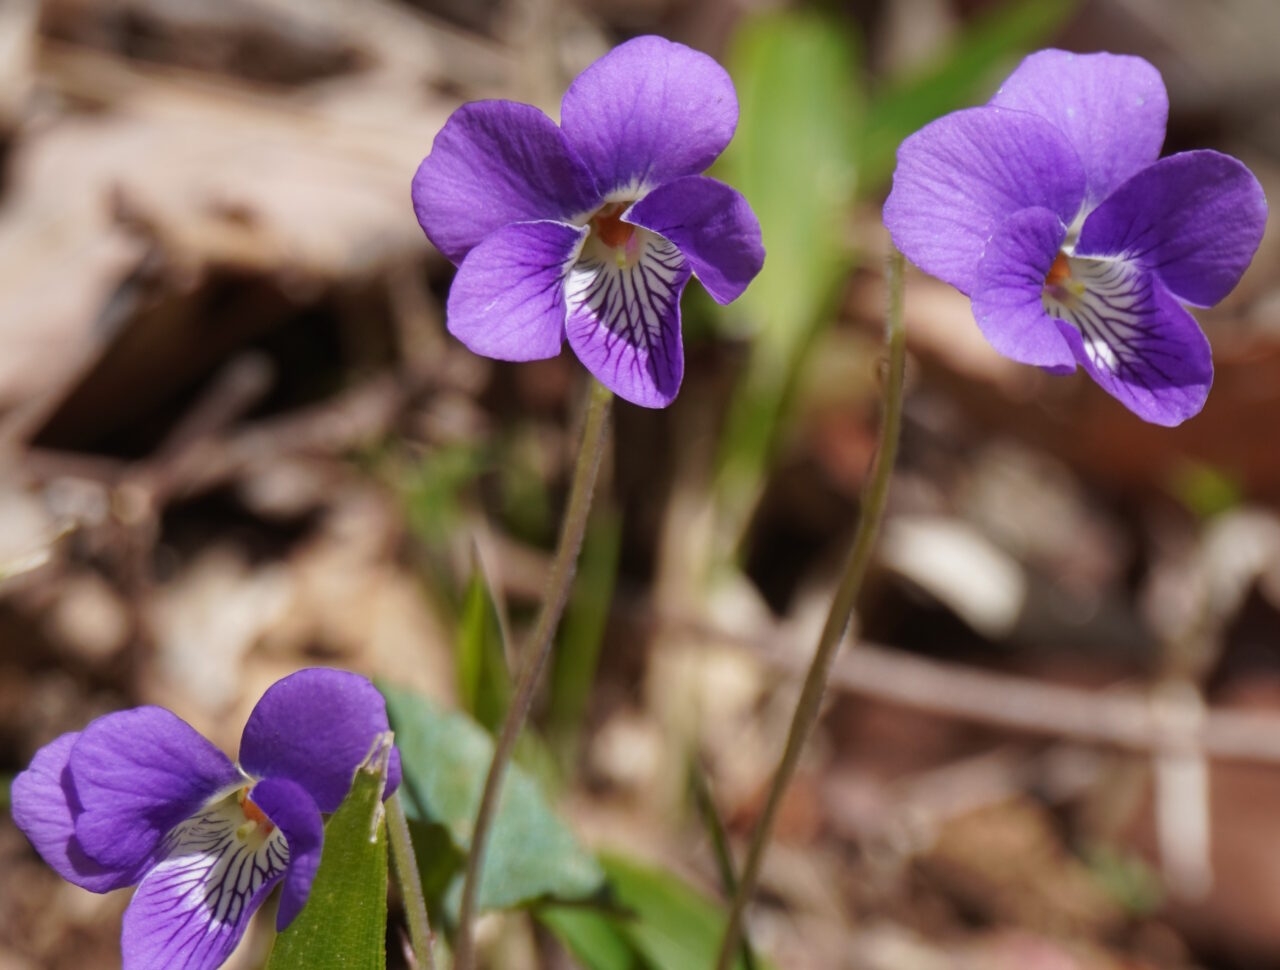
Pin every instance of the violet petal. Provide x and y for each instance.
(507, 300)
(1007, 298)
(1113, 109)
(1195, 218)
(713, 227)
(624, 322)
(138, 773)
(961, 176)
(493, 163)
(192, 908)
(44, 808)
(315, 727)
(649, 111)
(293, 812)
(1136, 341)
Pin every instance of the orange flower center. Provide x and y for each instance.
(1059, 272)
(609, 228)
(253, 813)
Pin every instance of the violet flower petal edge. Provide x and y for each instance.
(960, 176)
(45, 804)
(649, 111)
(137, 774)
(507, 299)
(494, 163)
(713, 227)
(1007, 300)
(1195, 219)
(315, 727)
(1112, 108)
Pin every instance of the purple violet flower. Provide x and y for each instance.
(139, 796)
(1051, 210)
(590, 230)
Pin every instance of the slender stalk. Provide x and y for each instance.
(534, 656)
(874, 497)
(415, 904)
(719, 846)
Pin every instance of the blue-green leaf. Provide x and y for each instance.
(531, 855)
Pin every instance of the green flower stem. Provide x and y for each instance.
(534, 656)
(415, 905)
(875, 495)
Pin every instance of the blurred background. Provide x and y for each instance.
(237, 440)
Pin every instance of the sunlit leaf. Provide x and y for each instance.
(672, 925)
(344, 923)
(592, 937)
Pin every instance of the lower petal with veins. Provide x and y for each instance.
(1132, 336)
(192, 909)
(623, 319)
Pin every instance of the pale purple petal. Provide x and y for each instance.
(1196, 219)
(1112, 107)
(1007, 298)
(1137, 342)
(713, 227)
(44, 808)
(507, 301)
(493, 163)
(193, 907)
(648, 111)
(138, 773)
(961, 176)
(315, 727)
(293, 812)
(624, 323)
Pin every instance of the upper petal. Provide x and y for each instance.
(1136, 341)
(1195, 218)
(293, 812)
(137, 774)
(44, 808)
(961, 176)
(624, 322)
(713, 227)
(315, 727)
(507, 301)
(1113, 108)
(496, 162)
(1007, 301)
(191, 910)
(648, 111)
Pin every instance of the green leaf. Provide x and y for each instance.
(793, 156)
(590, 936)
(674, 926)
(344, 924)
(966, 75)
(532, 854)
(484, 683)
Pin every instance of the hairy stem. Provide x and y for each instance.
(874, 497)
(534, 656)
(415, 905)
